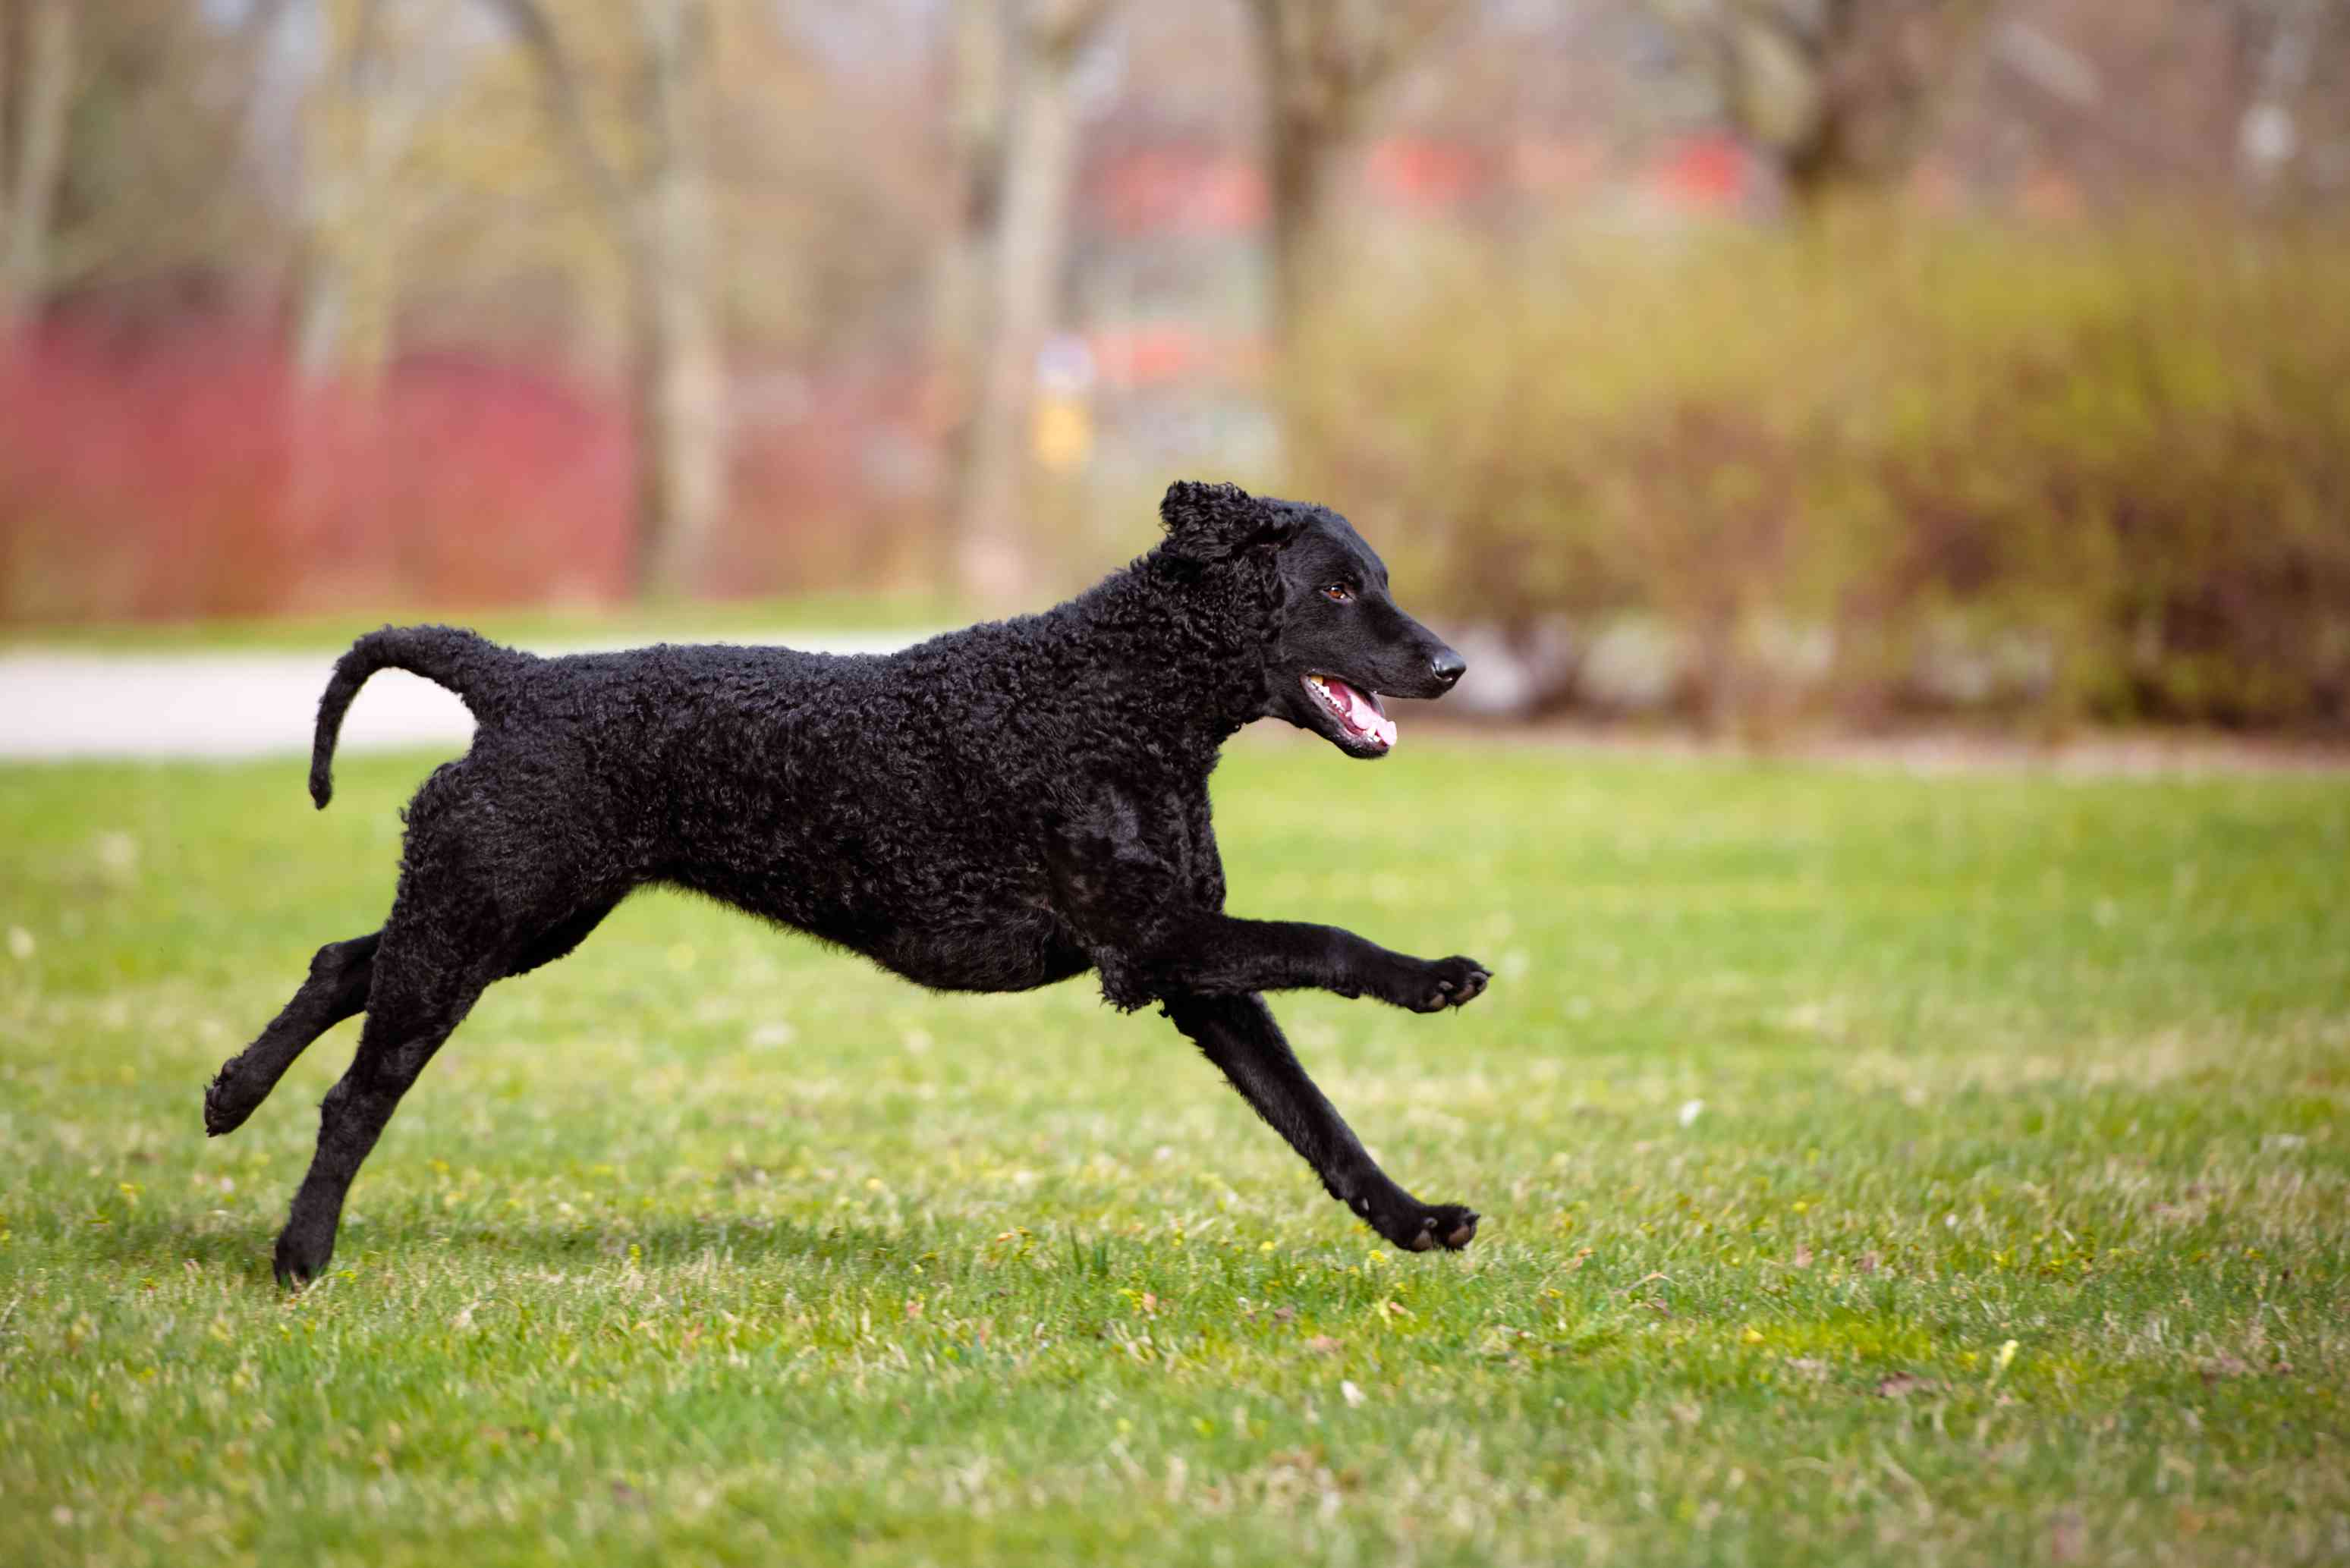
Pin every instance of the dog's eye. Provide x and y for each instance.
(1337, 593)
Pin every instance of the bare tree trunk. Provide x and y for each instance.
(366, 116)
(1323, 61)
(7, 167)
(1298, 163)
(358, 123)
(663, 224)
(1842, 93)
(678, 367)
(1039, 170)
(959, 270)
(1820, 167)
(40, 157)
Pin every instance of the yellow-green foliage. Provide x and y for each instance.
(2125, 451)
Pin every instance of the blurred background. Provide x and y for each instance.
(1747, 364)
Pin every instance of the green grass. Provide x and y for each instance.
(527, 626)
(2011, 1227)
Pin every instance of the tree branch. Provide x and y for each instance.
(1323, 59)
(535, 30)
(39, 153)
(1058, 29)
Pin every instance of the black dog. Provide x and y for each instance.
(992, 810)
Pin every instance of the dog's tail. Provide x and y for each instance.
(471, 666)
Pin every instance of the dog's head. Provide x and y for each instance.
(1337, 641)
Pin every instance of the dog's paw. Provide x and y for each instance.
(301, 1257)
(1446, 982)
(227, 1102)
(1430, 1226)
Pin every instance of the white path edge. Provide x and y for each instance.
(59, 703)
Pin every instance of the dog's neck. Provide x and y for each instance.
(1185, 647)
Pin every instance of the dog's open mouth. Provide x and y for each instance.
(1358, 714)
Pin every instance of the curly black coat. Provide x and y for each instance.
(994, 809)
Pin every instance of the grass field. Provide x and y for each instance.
(1876, 1168)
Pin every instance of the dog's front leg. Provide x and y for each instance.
(1239, 1035)
(1128, 895)
(1220, 954)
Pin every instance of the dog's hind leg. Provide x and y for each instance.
(451, 935)
(1239, 1035)
(415, 1002)
(336, 989)
(562, 937)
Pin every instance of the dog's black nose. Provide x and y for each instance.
(1447, 666)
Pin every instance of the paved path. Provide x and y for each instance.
(57, 703)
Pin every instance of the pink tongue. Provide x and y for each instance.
(1364, 718)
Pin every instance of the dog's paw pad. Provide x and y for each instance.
(1451, 1225)
(1446, 1225)
(1458, 983)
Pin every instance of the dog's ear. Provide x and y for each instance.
(1212, 523)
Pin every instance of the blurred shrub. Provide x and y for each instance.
(194, 474)
(1871, 467)
(189, 471)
